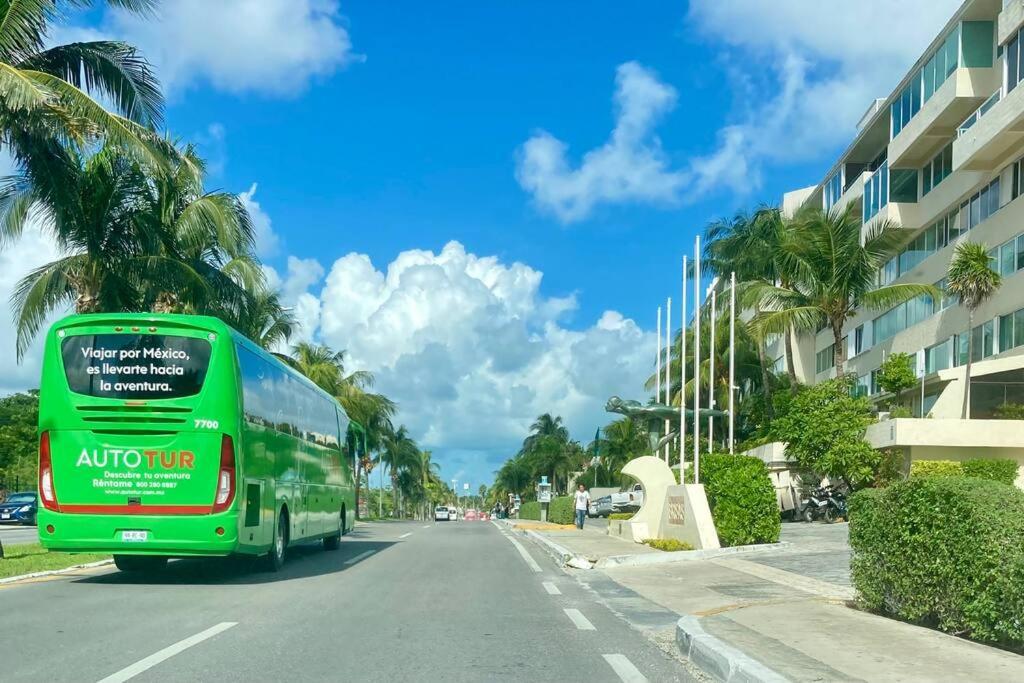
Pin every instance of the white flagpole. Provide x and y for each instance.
(696, 363)
(732, 361)
(668, 365)
(682, 385)
(711, 371)
(657, 361)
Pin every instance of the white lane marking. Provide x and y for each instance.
(526, 556)
(551, 588)
(582, 623)
(166, 653)
(624, 668)
(426, 526)
(406, 535)
(361, 556)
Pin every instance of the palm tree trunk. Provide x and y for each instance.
(766, 382)
(166, 302)
(967, 370)
(790, 362)
(839, 348)
(359, 475)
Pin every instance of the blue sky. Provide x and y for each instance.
(566, 153)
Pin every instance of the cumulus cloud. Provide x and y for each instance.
(630, 166)
(268, 243)
(273, 47)
(472, 350)
(801, 73)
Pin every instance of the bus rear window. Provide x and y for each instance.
(135, 366)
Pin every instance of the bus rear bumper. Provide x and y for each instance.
(173, 535)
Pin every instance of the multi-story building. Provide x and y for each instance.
(940, 157)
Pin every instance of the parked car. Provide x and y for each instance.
(19, 508)
(441, 513)
(471, 515)
(453, 514)
(629, 500)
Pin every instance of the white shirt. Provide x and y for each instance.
(582, 498)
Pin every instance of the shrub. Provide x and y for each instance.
(562, 510)
(1002, 470)
(669, 545)
(621, 515)
(529, 510)
(936, 468)
(1010, 411)
(742, 499)
(997, 469)
(945, 552)
(900, 411)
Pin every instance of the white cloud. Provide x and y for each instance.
(268, 243)
(471, 349)
(273, 47)
(802, 74)
(630, 166)
(32, 250)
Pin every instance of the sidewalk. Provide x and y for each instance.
(787, 609)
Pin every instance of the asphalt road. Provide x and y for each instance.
(399, 601)
(12, 534)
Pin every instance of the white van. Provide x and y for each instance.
(441, 513)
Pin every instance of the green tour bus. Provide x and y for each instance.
(175, 436)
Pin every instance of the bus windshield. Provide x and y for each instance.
(135, 366)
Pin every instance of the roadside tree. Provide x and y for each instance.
(896, 375)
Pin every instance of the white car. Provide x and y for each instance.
(453, 514)
(441, 513)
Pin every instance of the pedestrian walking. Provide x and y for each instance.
(582, 503)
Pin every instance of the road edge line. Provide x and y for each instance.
(54, 572)
(719, 660)
(161, 656)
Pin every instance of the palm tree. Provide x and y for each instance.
(264, 319)
(514, 476)
(832, 275)
(972, 279)
(752, 247)
(546, 448)
(321, 364)
(401, 455)
(45, 92)
(622, 440)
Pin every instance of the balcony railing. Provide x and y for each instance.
(979, 112)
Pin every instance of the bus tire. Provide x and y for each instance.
(334, 542)
(275, 558)
(140, 563)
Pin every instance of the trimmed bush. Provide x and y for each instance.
(944, 552)
(1010, 411)
(936, 468)
(530, 510)
(621, 515)
(562, 510)
(742, 499)
(1002, 470)
(669, 545)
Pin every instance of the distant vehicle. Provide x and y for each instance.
(484, 517)
(471, 515)
(441, 514)
(19, 508)
(629, 500)
(453, 514)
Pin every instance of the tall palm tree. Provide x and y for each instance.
(546, 447)
(832, 274)
(621, 441)
(514, 476)
(972, 279)
(400, 455)
(263, 319)
(46, 92)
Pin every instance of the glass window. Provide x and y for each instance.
(135, 366)
(1018, 327)
(1007, 258)
(975, 209)
(1011, 63)
(982, 341)
(929, 78)
(825, 359)
(993, 198)
(1020, 252)
(1006, 332)
(952, 47)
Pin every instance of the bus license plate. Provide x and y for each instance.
(134, 536)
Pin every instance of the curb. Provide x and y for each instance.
(682, 555)
(54, 572)
(719, 660)
(560, 553)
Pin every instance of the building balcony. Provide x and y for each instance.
(988, 138)
(1010, 19)
(963, 92)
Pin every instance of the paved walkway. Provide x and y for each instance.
(789, 609)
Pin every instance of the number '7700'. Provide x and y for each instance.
(207, 424)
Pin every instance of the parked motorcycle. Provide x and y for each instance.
(824, 502)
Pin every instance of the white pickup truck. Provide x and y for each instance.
(629, 500)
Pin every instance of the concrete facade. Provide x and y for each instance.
(961, 144)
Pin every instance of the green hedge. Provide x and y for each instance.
(1002, 470)
(945, 552)
(529, 510)
(742, 499)
(560, 510)
(621, 515)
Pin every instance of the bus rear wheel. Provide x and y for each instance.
(334, 542)
(140, 563)
(275, 558)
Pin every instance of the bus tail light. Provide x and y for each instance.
(226, 476)
(46, 490)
